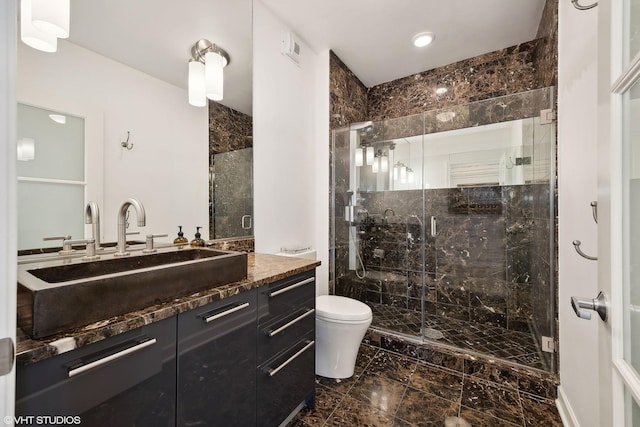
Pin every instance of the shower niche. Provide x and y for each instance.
(443, 222)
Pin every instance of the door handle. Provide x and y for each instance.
(7, 356)
(246, 218)
(598, 304)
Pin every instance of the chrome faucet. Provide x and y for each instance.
(92, 216)
(122, 224)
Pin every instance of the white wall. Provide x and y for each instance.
(167, 170)
(291, 143)
(8, 221)
(577, 187)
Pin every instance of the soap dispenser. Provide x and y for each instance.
(198, 241)
(180, 240)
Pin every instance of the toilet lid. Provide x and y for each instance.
(341, 308)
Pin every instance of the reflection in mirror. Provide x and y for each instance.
(493, 154)
(136, 79)
(51, 175)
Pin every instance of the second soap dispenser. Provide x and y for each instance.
(198, 241)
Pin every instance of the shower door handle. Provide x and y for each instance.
(434, 227)
(244, 222)
(598, 304)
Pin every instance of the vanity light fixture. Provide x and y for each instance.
(37, 33)
(206, 76)
(375, 167)
(384, 163)
(52, 16)
(410, 176)
(26, 149)
(369, 155)
(359, 157)
(423, 39)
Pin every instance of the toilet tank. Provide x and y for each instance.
(298, 252)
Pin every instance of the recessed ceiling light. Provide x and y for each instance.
(441, 90)
(423, 39)
(58, 118)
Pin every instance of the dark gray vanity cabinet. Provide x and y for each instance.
(216, 363)
(286, 347)
(126, 380)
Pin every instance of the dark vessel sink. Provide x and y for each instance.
(56, 296)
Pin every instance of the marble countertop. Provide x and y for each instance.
(262, 269)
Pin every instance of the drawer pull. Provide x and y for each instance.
(86, 367)
(292, 287)
(272, 372)
(226, 312)
(285, 326)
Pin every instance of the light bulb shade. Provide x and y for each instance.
(370, 155)
(384, 164)
(214, 75)
(51, 16)
(26, 149)
(410, 176)
(359, 157)
(30, 35)
(375, 167)
(197, 92)
(403, 174)
(396, 168)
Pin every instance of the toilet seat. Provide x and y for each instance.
(342, 309)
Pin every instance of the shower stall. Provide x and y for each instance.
(444, 224)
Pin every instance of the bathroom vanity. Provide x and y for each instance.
(238, 354)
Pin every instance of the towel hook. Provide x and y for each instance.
(581, 7)
(576, 244)
(594, 210)
(126, 144)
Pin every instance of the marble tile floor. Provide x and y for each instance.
(389, 389)
(514, 346)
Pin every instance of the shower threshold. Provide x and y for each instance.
(490, 341)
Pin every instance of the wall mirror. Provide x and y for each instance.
(121, 31)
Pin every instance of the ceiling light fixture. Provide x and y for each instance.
(423, 39)
(206, 76)
(441, 90)
(58, 118)
(42, 22)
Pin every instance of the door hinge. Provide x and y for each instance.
(547, 116)
(548, 345)
(7, 355)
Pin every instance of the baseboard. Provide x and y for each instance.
(565, 410)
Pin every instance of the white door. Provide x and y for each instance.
(619, 203)
(8, 222)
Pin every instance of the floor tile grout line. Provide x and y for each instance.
(346, 393)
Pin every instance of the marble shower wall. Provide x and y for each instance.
(231, 142)
(479, 267)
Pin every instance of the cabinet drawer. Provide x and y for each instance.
(285, 331)
(281, 298)
(216, 363)
(139, 365)
(284, 381)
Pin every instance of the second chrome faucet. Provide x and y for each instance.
(122, 224)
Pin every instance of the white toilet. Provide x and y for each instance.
(341, 323)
